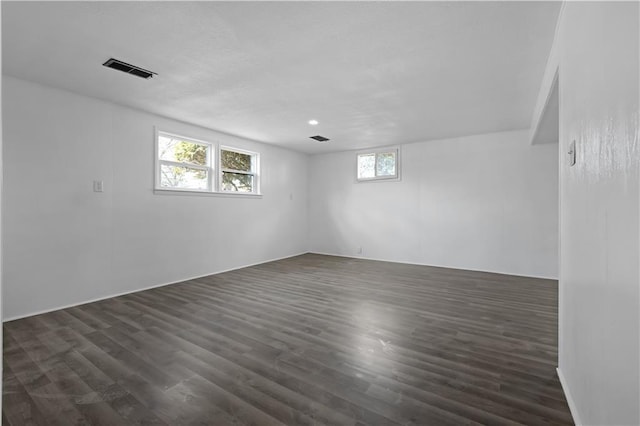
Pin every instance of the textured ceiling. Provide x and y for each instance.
(372, 73)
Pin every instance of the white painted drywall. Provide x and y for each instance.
(547, 87)
(486, 202)
(65, 244)
(1, 174)
(548, 126)
(599, 326)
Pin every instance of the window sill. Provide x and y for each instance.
(379, 179)
(206, 194)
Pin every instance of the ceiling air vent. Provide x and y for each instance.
(319, 138)
(128, 68)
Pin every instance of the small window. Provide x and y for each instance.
(183, 164)
(378, 165)
(238, 171)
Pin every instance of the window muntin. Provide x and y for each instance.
(238, 171)
(377, 165)
(183, 163)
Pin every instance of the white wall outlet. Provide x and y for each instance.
(98, 186)
(359, 250)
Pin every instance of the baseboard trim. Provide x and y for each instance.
(434, 266)
(567, 394)
(124, 293)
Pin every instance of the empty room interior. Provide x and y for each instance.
(320, 213)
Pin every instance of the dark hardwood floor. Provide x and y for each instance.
(307, 340)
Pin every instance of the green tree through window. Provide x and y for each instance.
(183, 163)
(237, 171)
(192, 165)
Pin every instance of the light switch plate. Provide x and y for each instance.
(572, 153)
(98, 186)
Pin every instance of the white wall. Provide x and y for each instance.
(485, 202)
(1, 174)
(65, 244)
(599, 199)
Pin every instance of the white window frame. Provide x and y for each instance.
(255, 169)
(213, 167)
(208, 167)
(384, 150)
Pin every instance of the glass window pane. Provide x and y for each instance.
(386, 164)
(183, 177)
(172, 149)
(236, 161)
(237, 182)
(366, 166)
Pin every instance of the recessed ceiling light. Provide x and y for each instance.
(313, 122)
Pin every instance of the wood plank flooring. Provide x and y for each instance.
(308, 340)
